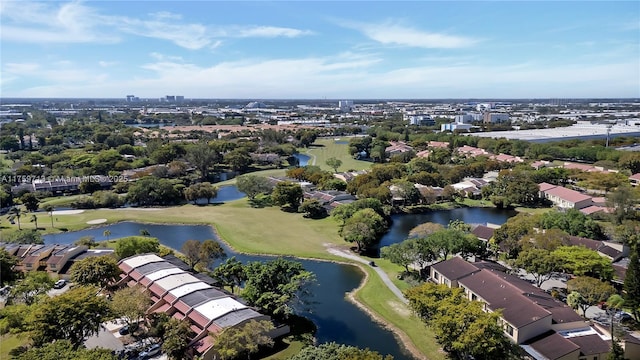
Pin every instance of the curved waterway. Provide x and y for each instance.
(336, 318)
(403, 223)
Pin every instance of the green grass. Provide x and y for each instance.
(325, 148)
(60, 201)
(532, 211)
(270, 172)
(10, 342)
(267, 231)
(377, 297)
(292, 348)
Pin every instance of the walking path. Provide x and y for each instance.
(383, 275)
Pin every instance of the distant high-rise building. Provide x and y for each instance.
(345, 105)
(170, 98)
(179, 98)
(132, 98)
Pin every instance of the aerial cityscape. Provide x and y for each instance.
(319, 180)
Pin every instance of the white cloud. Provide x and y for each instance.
(271, 32)
(393, 33)
(103, 63)
(346, 75)
(75, 22)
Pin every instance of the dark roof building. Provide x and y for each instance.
(545, 327)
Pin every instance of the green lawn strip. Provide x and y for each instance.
(270, 172)
(292, 348)
(10, 342)
(533, 211)
(327, 148)
(60, 201)
(376, 296)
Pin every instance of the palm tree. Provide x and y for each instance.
(49, 209)
(15, 213)
(106, 234)
(145, 232)
(34, 219)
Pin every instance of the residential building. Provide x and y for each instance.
(543, 326)
(397, 147)
(455, 126)
(175, 291)
(564, 198)
(634, 179)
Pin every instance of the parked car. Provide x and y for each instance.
(60, 284)
(124, 330)
(623, 316)
(152, 350)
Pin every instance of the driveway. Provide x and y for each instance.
(104, 339)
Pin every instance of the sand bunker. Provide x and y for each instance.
(96, 221)
(67, 212)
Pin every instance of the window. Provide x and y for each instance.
(509, 330)
(436, 275)
(474, 297)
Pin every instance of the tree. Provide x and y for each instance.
(403, 254)
(230, 273)
(201, 253)
(34, 219)
(88, 241)
(333, 351)
(64, 350)
(579, 261)
(202, 156)
(49, 210)
(132, 245)
(238, 160)
(334, 163)
(460, 325)
(632, 282)
(27, 236)
(248, 338)
(106, 234)
(30, 201)
(622, 200)
(312, 209)
(424, 230)
(15, 214)
(176, 339)
(287, 194)
(576, 301)
(200, 191)
(131, 304)
(253, 185)
(573, 222)
(74, 316)
(363, 228)
(540, 263)
(151, 190)
(98, 271)
(33, 286)
(274, 286)
(515, 187)
(7, 264)
(592, 291)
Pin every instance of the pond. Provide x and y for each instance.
(228, 193)
(336, 319)
(303, 159)
(403, 223)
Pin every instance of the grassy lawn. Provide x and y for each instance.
(325, 148)
(60, 201)
(376, 296)
(267, 231)
(532, 211)
(270, 172)
(10, 342)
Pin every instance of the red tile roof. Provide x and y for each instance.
(567, 194)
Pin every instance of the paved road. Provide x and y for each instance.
(381, 273)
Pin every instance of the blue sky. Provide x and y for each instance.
(313, 50)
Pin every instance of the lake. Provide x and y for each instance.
(336, 319)
(303, 159)
(403, 223)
